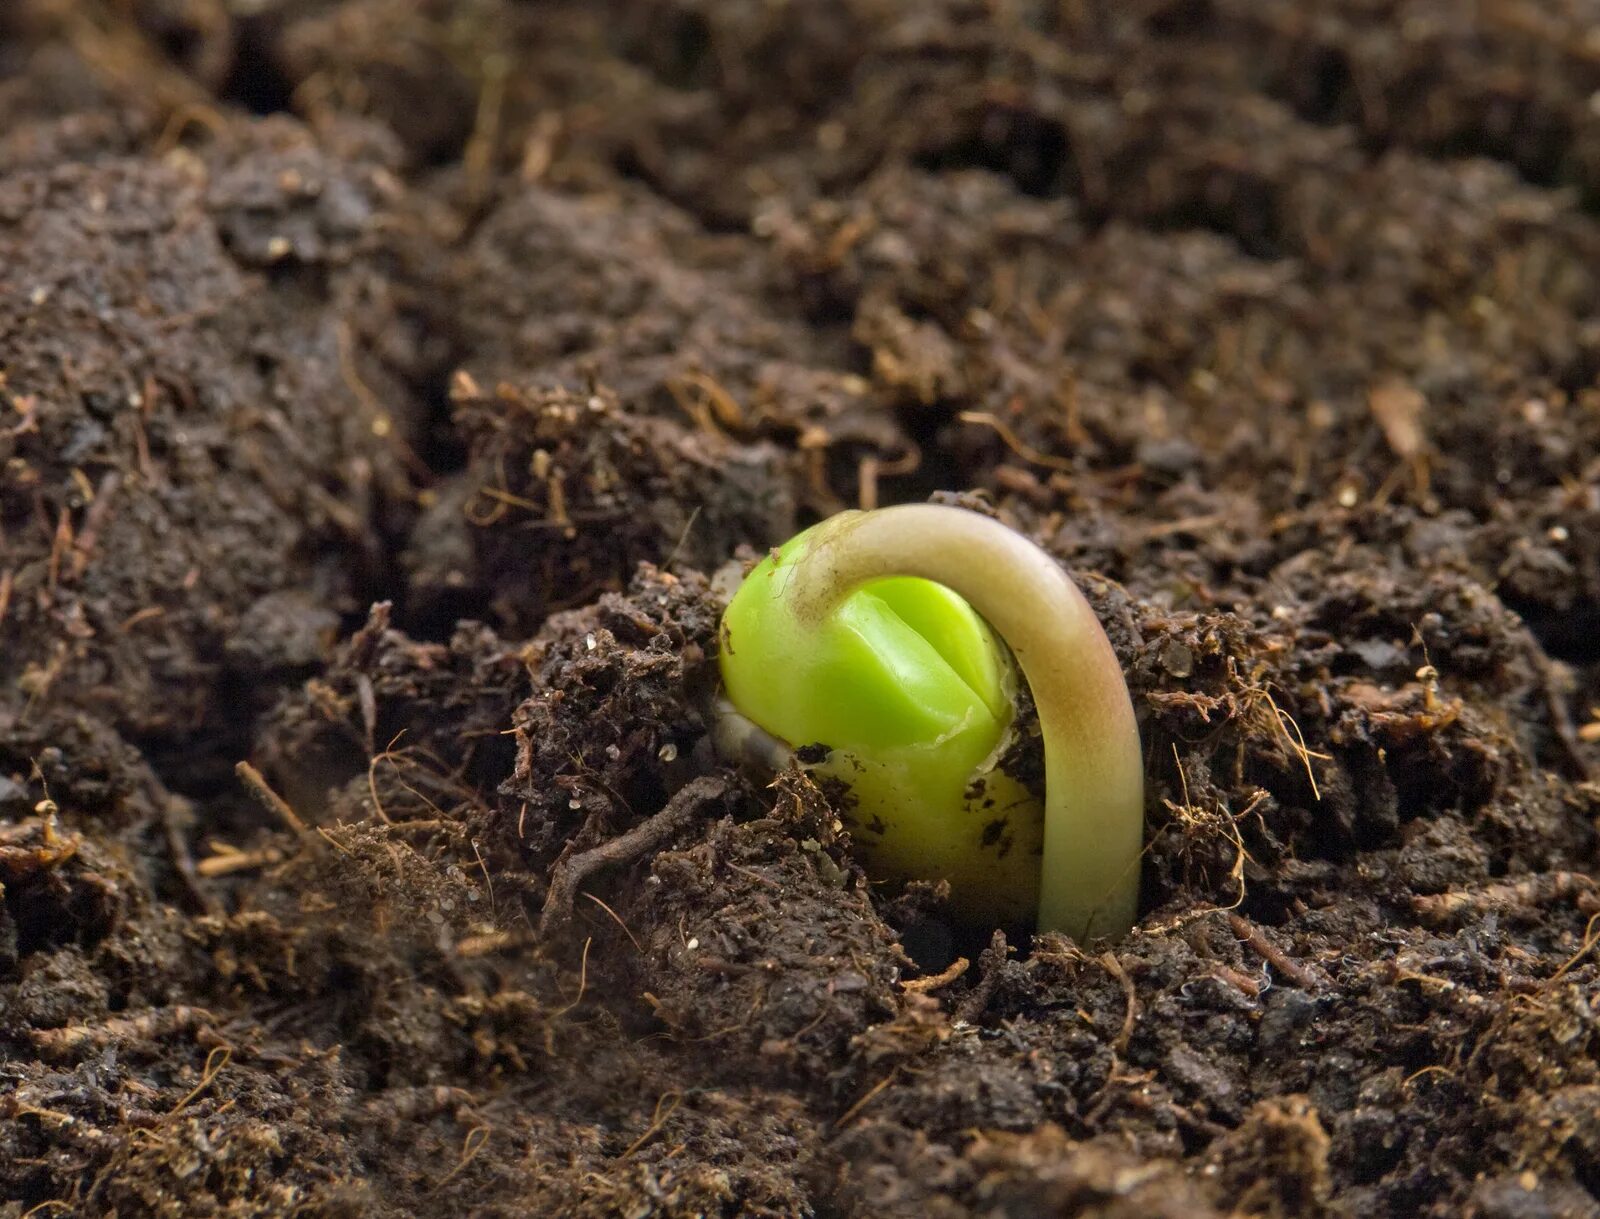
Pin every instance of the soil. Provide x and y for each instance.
(383, 384)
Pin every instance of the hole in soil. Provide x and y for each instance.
(1180, 17)
(1573, 636)
(675, 46)
(179, 43)
(52, 911)
(256, 81)
(1588, 1168)
(1266, 906)
(36, 1190)
(1328, 92)
(199, 765)
(715, 220)
(938, 470)
(934, 944)
(1029, 148)
(351, 991)
(440, 445)
(1239, 206)
(201, 769)
(933, 429)
(1580, 372)
(930, 944)
(428, 609)
(434, 619)
(1536, 141)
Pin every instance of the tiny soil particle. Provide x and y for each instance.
(382, 385)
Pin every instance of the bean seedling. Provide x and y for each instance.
(882, 650)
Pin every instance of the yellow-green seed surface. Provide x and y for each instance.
(912, 695)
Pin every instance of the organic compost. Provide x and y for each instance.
(388, 389)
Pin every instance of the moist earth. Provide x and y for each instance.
(387, 390)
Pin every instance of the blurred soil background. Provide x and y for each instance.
(383, 381)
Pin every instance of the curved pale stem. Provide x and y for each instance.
(1094, 773)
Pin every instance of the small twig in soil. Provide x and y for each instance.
(46, 1206)
(1296, 741)
(470, 1147)
(477, 157)
(617, 919)
(872, 468)
(367, 700)
(991, 968)
(190, 114)
(1526, 895)
(178, 848)
(93, 521)
(274, 803)
(1274, 956)
(1200, 525)
(488, 943)
(845, 1118)
(1435, 1069)
(1003, 430)
(487, 879)
(159, 1023)
(665, 1107)
(138, 616)
(1131, 1013)
(394, 759)
(1556, 704)
(922, 986)
(1108, 1091)
(215, 1061)
(228, 860)
(583, 985)
(680, 812)
(682, 539)
(755, 876)
(1591, 937)
(1248, 986)
(59, 547)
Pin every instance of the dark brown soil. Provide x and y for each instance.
(382, 382)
